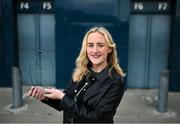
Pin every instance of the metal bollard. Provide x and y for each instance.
(17, 88)
(163, 91)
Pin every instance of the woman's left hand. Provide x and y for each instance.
(53, 93)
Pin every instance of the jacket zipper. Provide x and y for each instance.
(81, 89)
(76, 96)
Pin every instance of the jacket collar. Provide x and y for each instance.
(103, 75)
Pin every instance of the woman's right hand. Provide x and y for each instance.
(37, 92)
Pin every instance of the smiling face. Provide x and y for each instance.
(97, 50)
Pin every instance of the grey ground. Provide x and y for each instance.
(137, 106)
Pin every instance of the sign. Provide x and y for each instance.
(24, 6)
(151, 7)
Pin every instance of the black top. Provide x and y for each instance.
(94, 99)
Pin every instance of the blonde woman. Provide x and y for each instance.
(97, 83)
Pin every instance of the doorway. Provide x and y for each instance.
(36, 38)
(148, 49)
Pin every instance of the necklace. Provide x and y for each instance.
(94, 70)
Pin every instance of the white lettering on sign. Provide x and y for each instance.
(24, 5)
(162, 6)
(47, 5)
(138, 6)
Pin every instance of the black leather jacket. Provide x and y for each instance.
(93, 100)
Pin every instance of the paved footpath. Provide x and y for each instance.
(138, 106)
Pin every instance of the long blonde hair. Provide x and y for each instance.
(82, 60)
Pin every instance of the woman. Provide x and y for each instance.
(97, 84)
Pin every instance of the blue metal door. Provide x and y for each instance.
(148, 49)
(36, 37)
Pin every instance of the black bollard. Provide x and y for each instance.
(17, 88)
(163, 91)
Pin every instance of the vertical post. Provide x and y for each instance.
(163, 91)
(17, 88)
